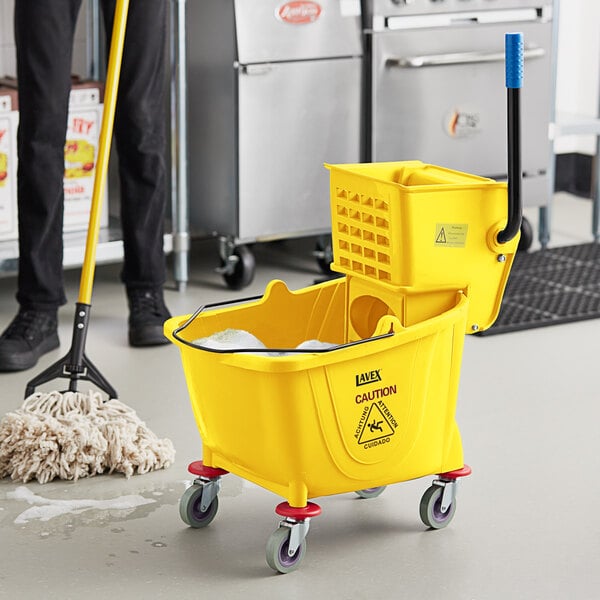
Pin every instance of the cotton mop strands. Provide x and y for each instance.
(72, 435)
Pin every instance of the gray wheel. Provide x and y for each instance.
(190, 511)
(277, 552)
(371, 492)
(430, 508)
(243, 272)
(526, 236)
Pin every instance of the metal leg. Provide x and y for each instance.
(544, 225)
(93, 39)
(179, 149)
(596, 192)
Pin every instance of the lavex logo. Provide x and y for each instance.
(368, 377)
(299, 12)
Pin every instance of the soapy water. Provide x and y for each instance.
(238, 339)
(44, 509)
(314, 345)
(231, 339)
(47, 516)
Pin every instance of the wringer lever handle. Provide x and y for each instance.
(513, 43)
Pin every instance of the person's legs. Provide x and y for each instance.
(140, 133)
(44, 38)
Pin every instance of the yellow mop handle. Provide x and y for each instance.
(106, 129)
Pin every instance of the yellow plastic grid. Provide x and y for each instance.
(364, 235)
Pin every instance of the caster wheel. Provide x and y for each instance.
(277, 552)
(370, 492)
(190, 511)
(324, 254)
(526, 236)
(243, 270)
(430, 508)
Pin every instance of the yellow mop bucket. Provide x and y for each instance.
(426, 253)
(304, 425)
(355, 416)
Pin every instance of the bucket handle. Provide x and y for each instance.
(205, 307)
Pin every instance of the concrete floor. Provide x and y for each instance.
(528, 413)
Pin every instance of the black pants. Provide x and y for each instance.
(44, 32)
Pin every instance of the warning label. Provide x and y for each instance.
(376, 423)
(451, 235)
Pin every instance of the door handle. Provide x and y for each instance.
(457, 58)
(256, 69)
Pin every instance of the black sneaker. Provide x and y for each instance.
(31, 334)
(147, 313)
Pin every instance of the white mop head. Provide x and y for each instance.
(72, 435)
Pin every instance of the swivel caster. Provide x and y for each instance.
(196, 508)
(287, 545)
(199, 504)
(438, 504)
(237, 264)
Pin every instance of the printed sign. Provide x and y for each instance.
(451, 235)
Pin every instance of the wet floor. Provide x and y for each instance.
(524, 528)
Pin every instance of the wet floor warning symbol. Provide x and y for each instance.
(375, 426)
(441, 238)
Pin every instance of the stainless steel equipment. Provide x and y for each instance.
(435, 93)
(274, 91)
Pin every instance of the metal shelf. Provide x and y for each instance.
(573, 124)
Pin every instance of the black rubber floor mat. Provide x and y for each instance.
(550, 287)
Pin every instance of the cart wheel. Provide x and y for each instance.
(526, 236)
(277, 551)
(324, 254)
(430, 508)
(243, 270)
(371, 492)
(190, 511)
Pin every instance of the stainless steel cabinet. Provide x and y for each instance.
(292, 118)
(274, 92)
(453, 113)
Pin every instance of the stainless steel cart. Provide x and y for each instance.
(274, 91)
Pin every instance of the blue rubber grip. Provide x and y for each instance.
(513, 47)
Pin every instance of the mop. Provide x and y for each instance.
(72, 434)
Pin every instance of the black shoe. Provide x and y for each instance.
(30, 334)
(147, 313)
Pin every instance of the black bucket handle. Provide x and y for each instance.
(214, 305)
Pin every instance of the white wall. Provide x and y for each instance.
(578, 68)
